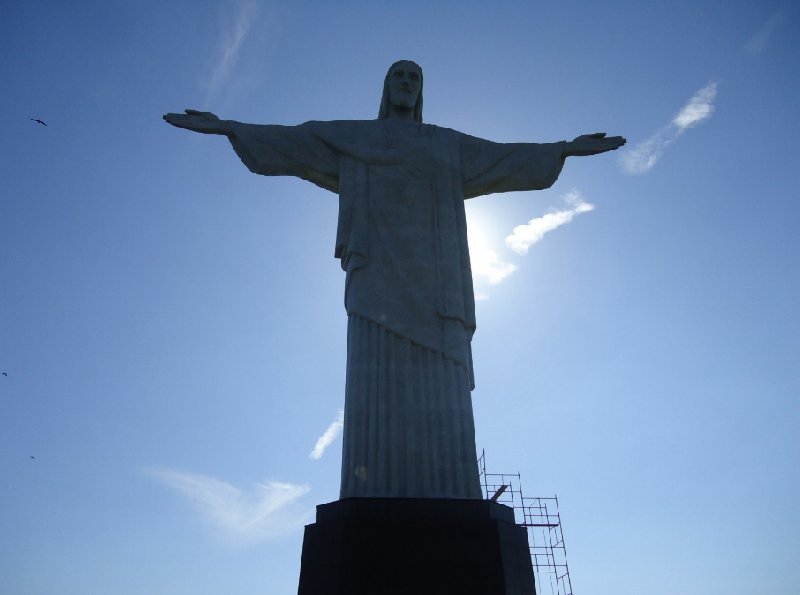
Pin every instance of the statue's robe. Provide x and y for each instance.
(402, 241)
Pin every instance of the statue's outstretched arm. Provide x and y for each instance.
(592, 144)
(197, 121)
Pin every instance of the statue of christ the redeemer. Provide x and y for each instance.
(402, 241)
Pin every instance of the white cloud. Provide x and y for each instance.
(485, 262)
(233, 36)
(525, 236)
(643, 156)
(328, 436)
(487, 265)
(267, 511)
(755, 45)
(699, 108)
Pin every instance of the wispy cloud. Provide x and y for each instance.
(755, 45)
(328, 436)
(643, 156)
(234, 33)
(698, 109)
(267, 511)
(525, 236)
(487, 265)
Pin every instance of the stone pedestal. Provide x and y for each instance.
(399, 546)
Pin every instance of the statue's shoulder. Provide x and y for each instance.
(338, 124)
(340, 129)
(448, 134)
(436, 129)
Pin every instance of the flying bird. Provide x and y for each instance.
(33, 457)
(4, 374)
(40, 121)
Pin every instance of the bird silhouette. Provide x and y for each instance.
(40, 121)
(33, 457)
(4, 374)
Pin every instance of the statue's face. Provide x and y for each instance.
(405, 83)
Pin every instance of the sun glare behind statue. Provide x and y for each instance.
(487, 266)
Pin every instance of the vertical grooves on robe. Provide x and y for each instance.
(408, 429)
(376, 470)
(437, 417)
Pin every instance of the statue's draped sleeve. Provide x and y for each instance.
(488, 167)
(300, 151)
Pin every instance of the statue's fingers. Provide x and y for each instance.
(173, 118)
(192, 112)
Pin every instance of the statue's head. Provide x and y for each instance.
(402, 89)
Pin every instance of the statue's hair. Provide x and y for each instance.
(383, 112)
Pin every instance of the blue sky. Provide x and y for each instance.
(172, 328)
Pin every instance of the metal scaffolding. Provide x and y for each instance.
(541, 518)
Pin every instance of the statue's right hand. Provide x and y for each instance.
(197, 121)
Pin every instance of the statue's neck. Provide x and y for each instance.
(400, 113)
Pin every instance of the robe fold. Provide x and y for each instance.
(402, 241)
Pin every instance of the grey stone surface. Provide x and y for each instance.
(402, 241)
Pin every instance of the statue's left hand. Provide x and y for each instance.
(592, 144)
(197, 121)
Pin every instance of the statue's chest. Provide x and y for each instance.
(409, 166)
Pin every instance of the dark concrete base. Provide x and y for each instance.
(399, 546)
